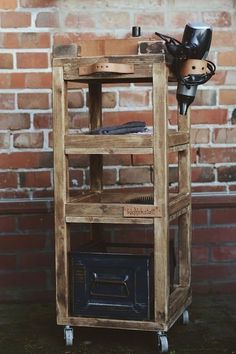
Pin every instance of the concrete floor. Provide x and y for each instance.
(32, 329)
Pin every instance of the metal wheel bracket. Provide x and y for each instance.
(185, 317)
(68, 335)
(162, 340)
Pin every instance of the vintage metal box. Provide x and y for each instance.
(111, 284)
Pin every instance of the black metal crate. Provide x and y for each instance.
(112, 281)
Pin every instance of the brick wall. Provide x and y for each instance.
(28, 30)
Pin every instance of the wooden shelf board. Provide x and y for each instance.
(120, 144)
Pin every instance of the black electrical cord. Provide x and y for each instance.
(180, 53)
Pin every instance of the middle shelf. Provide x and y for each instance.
(121, 144)
(127, 205)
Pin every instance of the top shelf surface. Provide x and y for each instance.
(141, 54)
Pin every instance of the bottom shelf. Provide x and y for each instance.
(179, 300)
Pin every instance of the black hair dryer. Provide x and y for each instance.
(190, 65)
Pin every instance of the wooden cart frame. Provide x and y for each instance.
(102, 206)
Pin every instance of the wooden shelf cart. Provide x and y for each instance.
(100, 206)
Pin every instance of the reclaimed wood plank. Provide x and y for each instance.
(60, 126)
(161, 178)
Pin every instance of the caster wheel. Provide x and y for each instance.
(162, 343)
(68, 335)
(185, 317)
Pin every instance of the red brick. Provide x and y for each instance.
(33, 101)
(7, 262)
(225, 287)
(178, 19)
(217, 18)
(38, 3)
(15, 19)
(227, 58)
(220, 38)
(135, 175)
(219, 78)
(113, 19)
(6, 61)
(205, 116)
(12, 80)
(75, 99)
(200, 136)
(26, 40)
(7, 224)
(28, 140)
(22, 242)
(200, 255)
(213, 272)
(35, 179)
(32, 260)
(208, 189)
(76, 178)
(35, 222)
(223, 216)
(26, 160)
(133, 99)
(226, 173)
(38, 80)
(223, 254)
(216, 235)
(109, 176)
(217, 155)
(4, 140)
(78, 161)
(113, 160)
(14, 194)
(8, 180)
(78, 120)
(39, 194)
(109, 99)
(16, 279)
(205, 98)
(203, 174)
(149, 19)
(80, 20)
(75, 37)
(7, 100)
(199, 217)
(14, 121)
(142, 160)
(224, 135)
(32, 60)
(230, 77)
(47, 19)
(43, 120)
(227, 96)
(8, 4)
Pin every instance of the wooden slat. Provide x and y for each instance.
(109, 220)
(112, 323)
(108, 151)
(142, 66)
(178, 138)
(184, 221)
(161, 178)
(181, 201)
(112, 210)
(60, 125)
(180, 299)
(108, 144)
